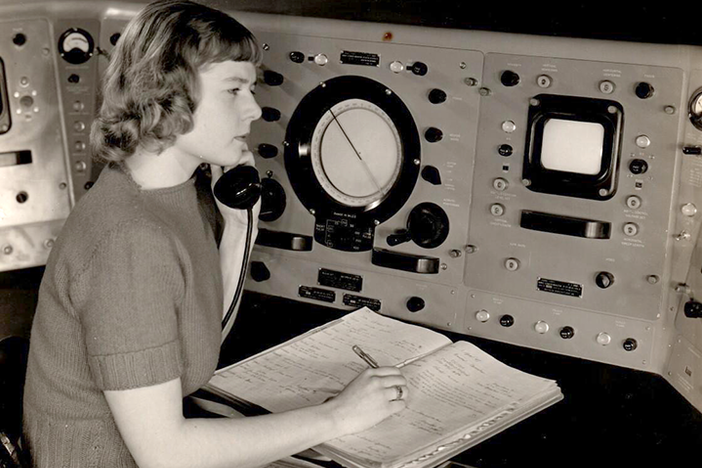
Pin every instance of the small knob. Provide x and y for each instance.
(74, 79)
(431, 175)
(433, 135)
(321, 59)
(269, 114)
(500, 184)
(505, 150)
(629, 344)
(506, 320)
(604, 279)
(638, 166)
(397, 67)
(482, 315)
(415, 304)
(437, 96)
(19, 39)
(644, 90)
(297, 57)
(541, 327)
(604, 339)
(633, 202)
(419, 68)
(259, 272)
(567, 332)
(643, 141)
(693, 309)
(272, 78)
(267, 151)
(509, 78)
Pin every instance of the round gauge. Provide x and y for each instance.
(353, 150)
(76, 46)
(356, 153)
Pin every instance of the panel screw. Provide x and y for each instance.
(62, 185)
(49, 243)
(388, 92)
(526, 182)
(670, 110)
(417, 162)
(471, 249)
(455, 253)
(444, 266)
(312, 211)
(266, 47)
(653, 279)
(612, 110)
(485, 91)
(534, 102)
(462, 65)
(376, 222)
(7, 250)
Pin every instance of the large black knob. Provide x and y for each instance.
(259, 272)
(604, 279)
(267, 151)
(415, 304)
(428, 225)
(433, 135)
(509, 78)
(638, 166)
(273, 200)
(270, 114)
(419, 68)
(399, 237)
(567, 333)
(644, 90)
(437, 96)
(272, 78)
(431, 175)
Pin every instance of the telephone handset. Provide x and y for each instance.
(239, 187)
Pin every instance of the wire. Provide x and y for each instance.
(242, 274)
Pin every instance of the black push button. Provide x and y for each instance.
(505, 150)
(638, 166)
(506, 320)
(419, 68)
(437, 96)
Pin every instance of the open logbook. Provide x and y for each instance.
(458, 394)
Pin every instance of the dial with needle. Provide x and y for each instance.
(363, 163)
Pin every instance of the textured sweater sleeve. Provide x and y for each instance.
(127, 301)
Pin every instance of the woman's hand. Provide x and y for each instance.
(233, 215)
(368, 399)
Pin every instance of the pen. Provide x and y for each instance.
(365, 356)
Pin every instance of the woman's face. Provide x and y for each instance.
(223, 116)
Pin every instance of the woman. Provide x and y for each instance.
(130, 307)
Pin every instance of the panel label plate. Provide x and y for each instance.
(563, 288)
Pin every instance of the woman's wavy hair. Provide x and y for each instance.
(151, 87)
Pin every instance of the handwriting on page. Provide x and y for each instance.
(447, 389)
(309, 370)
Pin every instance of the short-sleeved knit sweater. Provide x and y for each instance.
(131, 297)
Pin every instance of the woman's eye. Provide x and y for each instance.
(234, 91)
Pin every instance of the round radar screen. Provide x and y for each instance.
(352, 148)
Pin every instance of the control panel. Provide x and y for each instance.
(538, 191)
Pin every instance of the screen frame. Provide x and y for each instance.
(599, 186)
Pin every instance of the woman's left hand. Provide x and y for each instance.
(233, 215)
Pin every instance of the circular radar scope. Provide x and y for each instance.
(353, 147)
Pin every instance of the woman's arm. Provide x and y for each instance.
(152, 425)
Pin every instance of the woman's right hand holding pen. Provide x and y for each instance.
(370, 398)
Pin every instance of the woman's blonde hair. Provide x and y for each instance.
(151, 87)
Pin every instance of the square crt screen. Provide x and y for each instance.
(572, 146)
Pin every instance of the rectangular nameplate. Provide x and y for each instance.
(559, 287)
(360, 58)
(317, 294)
(359, 301)
(337, 279)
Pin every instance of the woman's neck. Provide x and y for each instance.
(155, 171)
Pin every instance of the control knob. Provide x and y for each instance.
(415, 304)
(604, 279)
(644, 90)
(272, 78)
(509, 78)
(273, 200)
(433, 135)
(427, 226)
(437, 96)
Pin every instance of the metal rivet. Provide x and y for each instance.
(534, 102)
(417, 162)
(7, 250)
(485, 92)
(455, 253)
(49, 243)
(463, 65)
(62, 185)
(670, 110)
(266, 47)
(376, 222)
(471, 249)
(612, 110)
(470, 81)
(526, 182)
(312, 211)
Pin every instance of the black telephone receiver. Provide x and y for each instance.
(239, 188)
